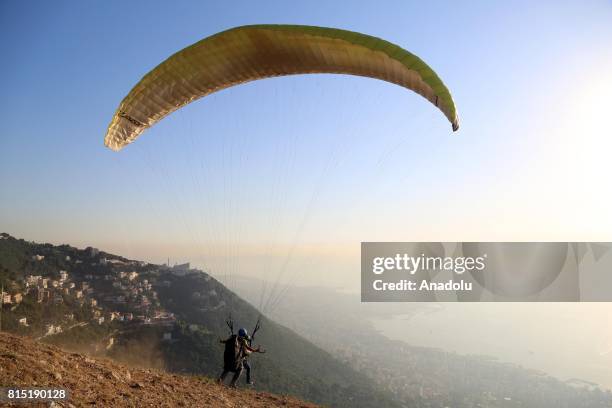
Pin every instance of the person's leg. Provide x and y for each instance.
(222, 376)
(236, 377)
(247, 367)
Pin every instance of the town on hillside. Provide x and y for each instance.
(65, 287)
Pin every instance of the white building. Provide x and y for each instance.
(52, 329)
(180, 270)
(32, 280)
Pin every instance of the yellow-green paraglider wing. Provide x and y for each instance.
(253, 52)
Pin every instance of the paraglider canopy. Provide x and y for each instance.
(254, 52)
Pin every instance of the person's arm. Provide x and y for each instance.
(254, 350)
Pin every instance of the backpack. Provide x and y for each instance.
(232, 356)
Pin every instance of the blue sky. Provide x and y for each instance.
(316, 163)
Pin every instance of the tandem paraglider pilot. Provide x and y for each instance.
(237, 350)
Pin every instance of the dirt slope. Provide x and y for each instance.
(91, 382)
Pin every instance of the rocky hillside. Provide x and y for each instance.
(27, 363)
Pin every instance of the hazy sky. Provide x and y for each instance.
(304, 168)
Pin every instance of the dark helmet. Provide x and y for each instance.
(243, 332)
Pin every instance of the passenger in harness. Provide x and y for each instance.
(245, 360)
(237, 349)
